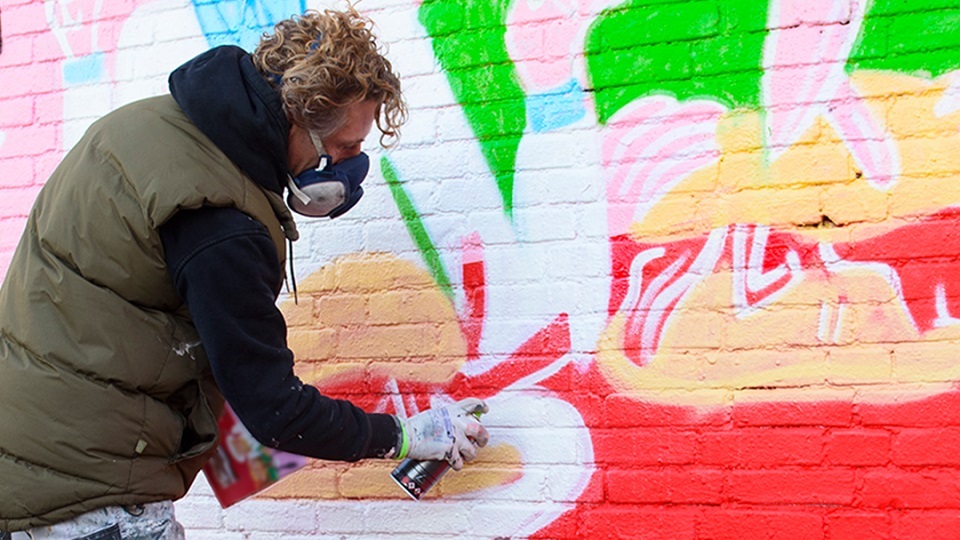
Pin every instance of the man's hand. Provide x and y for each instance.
(452, 433)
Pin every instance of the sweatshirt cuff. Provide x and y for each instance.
(384, 436)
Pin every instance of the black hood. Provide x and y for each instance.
(226, 97)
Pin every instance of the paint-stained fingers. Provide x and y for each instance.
(468, 451)
(456, 460)
(476, 433)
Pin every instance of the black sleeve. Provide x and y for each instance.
(225, 267)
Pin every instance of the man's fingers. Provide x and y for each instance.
(477, 433)
(468, 451)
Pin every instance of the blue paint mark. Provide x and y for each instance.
(557, 107)
(242, 22)
(88, 68)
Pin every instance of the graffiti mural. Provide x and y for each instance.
(699, 257)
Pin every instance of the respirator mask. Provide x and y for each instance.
(330, 189)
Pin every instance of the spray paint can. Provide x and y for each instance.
(417, 477)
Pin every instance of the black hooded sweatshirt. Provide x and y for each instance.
(225, 267)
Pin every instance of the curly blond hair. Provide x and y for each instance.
(323, 62)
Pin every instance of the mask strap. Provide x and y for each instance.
(297, 192)
(321, 151)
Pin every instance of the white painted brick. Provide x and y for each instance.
(428, 91)
(201, 486)
(579, 185)
(592, 224)
(534, 481)
(341, 519)
(410, 515)
(467, 194)
(449, 231)
(284, 516)
(393, 23)
(178, 25)
(409, 60)
(199, 512)
(565, 481)
(548, 151)
(420, 128)
(73, 131)
(132, 90)
(161, 58)
(323, 239)
(544, 223)
(494, 226)
(509, 263)
(502, 336)
(200, 534)
(260, 535)
(381, 10)
(454, 160)
(377, 202)
(577, 260)
(86, 102)
(138, 31)
(497, 517)
(384, 236)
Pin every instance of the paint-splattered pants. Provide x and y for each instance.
(154, 521)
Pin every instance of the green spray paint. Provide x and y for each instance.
(468, 41)
(416, 228)
(689, 50)
(916, 37)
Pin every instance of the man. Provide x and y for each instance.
(145, 286)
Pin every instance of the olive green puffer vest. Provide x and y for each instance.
(106, 391)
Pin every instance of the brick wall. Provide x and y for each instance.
(700, 257)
